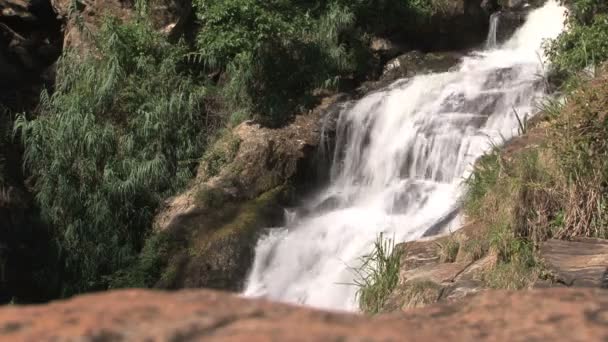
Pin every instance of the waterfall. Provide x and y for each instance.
(400, 158)
(491, 40)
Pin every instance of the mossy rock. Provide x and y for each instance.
(214, 248)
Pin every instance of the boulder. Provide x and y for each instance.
(411, 64)
(204, 315)
(582, 262)
(426, 276)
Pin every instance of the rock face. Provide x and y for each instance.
(438, 270)
(135, 315)
(457, 24)
(30, 42)
(84, 17)
(411, 64)
(582, 262)
(241, 187)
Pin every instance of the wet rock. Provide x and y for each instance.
(582, 262)
(138, 315)
(411, 64)
(507, 23)
(455, 25)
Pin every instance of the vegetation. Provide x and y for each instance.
(378, 275)
(275, 54)
(447, 249)
(128, 122)
(418, 293)
(555, 188)
(514, 198)
(585, 43)
(123, 130)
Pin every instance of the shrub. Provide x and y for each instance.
(123, 130)
(274, 54)
(585, 43)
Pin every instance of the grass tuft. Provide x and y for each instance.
(447, 249)
(378, 275)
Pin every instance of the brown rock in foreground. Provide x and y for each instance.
(580, 263)
(138, 315)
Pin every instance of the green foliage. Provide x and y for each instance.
(475, 248)
(378, 275)
(271, 55)
(585, 43)
(121, 132)
(512, 199)
(517, 267)
(486, 173)
(274, 54)
(148, 267)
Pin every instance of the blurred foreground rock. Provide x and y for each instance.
(138, 315)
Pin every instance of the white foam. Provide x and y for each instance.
(401, 156)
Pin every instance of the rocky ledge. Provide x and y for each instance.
(137, 315)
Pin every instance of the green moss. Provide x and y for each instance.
(251, 214)
(165, 254)
(222, 152)
(208, 197)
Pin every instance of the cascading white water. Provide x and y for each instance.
(401, 155)
(493, 30)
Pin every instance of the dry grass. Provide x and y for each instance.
(447, 248)
(419, 293)
(557, 188)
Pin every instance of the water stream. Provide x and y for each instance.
(401, 156)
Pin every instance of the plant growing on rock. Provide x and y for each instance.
(378, 275)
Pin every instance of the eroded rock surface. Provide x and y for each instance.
(242, 184)
(428, 276)
(137, 315)
(582, 262)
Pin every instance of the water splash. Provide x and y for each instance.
(400, 158)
